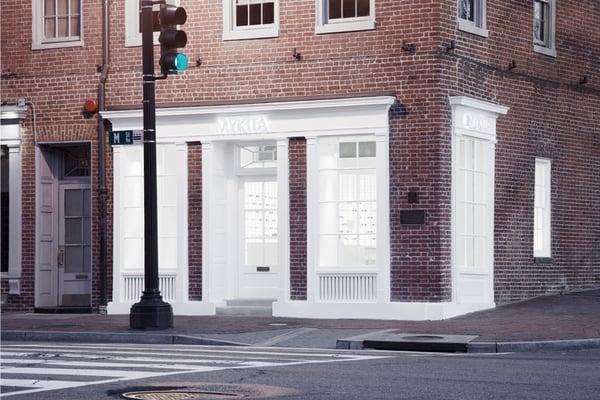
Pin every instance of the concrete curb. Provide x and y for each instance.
(104, 337)
(504, 347)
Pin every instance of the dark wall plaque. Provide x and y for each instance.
(412, 217)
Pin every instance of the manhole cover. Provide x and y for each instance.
(422, 337)
(179, 395)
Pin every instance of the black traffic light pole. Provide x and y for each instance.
(151, 312)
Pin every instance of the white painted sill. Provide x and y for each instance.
(56, 45)
(245, 34)
(467, 26)
(349, 26)
(547, 51)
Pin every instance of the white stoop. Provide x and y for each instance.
(247, 308)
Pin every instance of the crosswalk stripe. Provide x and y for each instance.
(125, 363)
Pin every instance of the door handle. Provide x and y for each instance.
(61, 256)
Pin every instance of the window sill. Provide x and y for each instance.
(470, 28)
(350, 26)
(547, 51)
(542, 260)
(56, 45)
(245, 34)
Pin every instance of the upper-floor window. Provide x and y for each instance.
(345, 15)
(133, 21)
(56, 23)
(471, 17)
(544, 16)
(250, 19)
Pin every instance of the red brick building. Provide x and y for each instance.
(344, 158)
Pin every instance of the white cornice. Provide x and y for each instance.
(357, 115)
(478, 104)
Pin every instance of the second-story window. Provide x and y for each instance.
(56, 23)
(345, 15)
(250, 19)
(472, 16)
(543, 26)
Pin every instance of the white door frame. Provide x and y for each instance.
(62, 275)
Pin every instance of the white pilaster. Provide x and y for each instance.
(283, 205)
(207, 214)
(182, 292)
(383, 218)
(117, 256)
(312, 215)
(15, 218)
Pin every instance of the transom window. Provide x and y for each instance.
(471, 16)
(347, 204)
(258, 157)
(543, 26)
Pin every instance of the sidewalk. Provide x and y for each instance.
(571, 319)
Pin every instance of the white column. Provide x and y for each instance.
(182, 287)
(312, 216)
(383, 218)
(283, 226)
(117, 232)
(15, 218)
(207, 225)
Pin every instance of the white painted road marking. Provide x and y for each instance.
(32, 367)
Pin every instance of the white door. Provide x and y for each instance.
(74, 245)
(47, 274)
(259, 265)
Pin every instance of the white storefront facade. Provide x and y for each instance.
(246, 208)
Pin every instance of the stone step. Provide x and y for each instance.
(245, 311)
(249, 302)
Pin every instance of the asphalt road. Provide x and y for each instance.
(294, 373)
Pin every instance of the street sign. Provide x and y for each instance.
(125, 137)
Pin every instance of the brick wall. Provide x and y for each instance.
(551, 114)
(297, 182)
(195, 220)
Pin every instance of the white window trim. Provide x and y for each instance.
(471, 27)
(231, 32)
(133, 36)
(37, 30)
(550, 49)
(345, 24)
(546, 250)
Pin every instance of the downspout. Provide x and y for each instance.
(102, 209)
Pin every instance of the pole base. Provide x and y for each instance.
(151, 312)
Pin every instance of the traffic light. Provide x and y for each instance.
(171, 38)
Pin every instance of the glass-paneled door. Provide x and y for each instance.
(74, 251)
(259, 242)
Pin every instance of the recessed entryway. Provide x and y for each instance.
(63, 248)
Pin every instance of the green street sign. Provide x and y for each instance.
(125, 137)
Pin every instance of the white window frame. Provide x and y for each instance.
(133, 36)
(477, 27)
(354, 171)
(37, 30)
(323, 25)
(543, 165)
(231, 32)
(549, 48)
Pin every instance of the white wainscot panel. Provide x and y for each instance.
(347, 287)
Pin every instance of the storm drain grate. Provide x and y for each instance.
(178, 395)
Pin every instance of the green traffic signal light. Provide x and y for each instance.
(171, 38)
